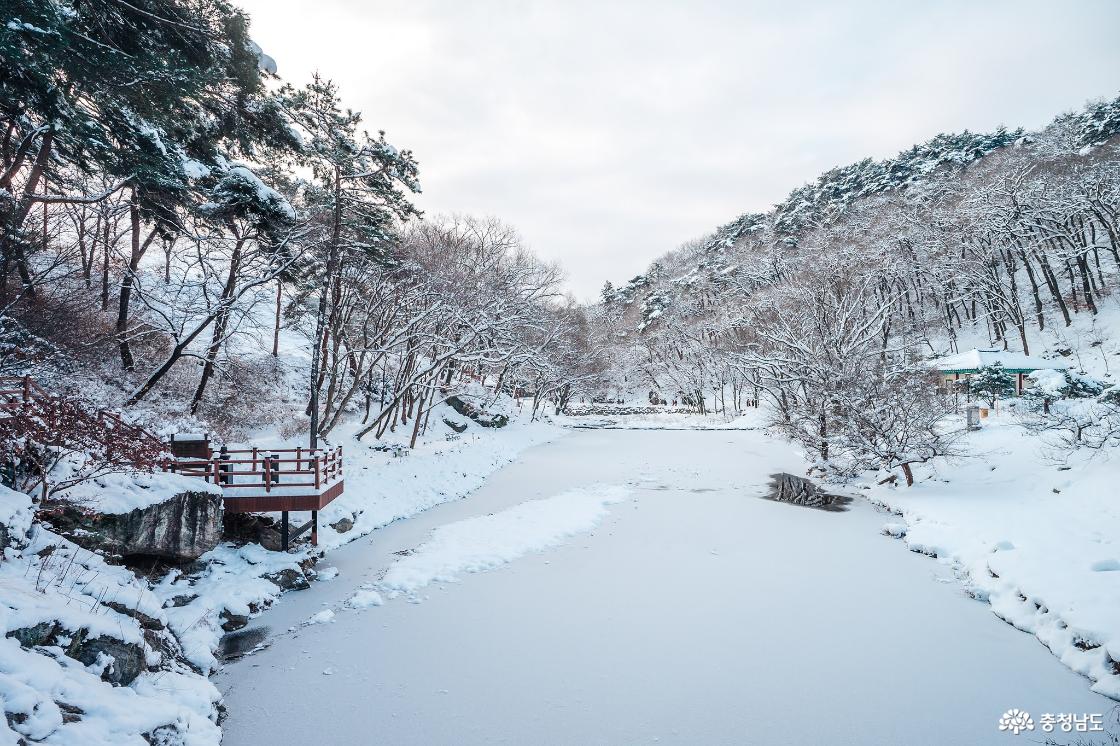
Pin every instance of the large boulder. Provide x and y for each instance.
(482, 417)
(180, 529)
(122, 661)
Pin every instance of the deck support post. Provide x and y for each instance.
(314, 528)
(284, 530)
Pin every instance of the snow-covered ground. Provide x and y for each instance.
(686, 610)
(749, 420)
(1038, 539)
(56, 692)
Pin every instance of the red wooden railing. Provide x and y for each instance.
(313, 469)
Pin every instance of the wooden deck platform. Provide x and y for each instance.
(256, 480)
(275, 503)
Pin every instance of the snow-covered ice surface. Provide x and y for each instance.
(487, 542)
(380, 488)
(694, 612)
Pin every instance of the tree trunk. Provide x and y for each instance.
(220, 323)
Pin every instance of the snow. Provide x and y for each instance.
(264, 62)
(1037, 539)
(194, 169)
(364, 598)
(694, 612)
(983, 357)
(1049, 383)
(53, 580)
(487, 542)
(122, 493)
(660, 420)
(265, 193)
(15, 512)
(17, 25)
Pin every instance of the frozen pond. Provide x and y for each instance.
(694, 613)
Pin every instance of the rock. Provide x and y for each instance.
(42, 633)
(289, 579)
(789, 488)
(148, 622)
(70, 713)
(459, 427)
(483, 418)
(182, 600)
(236, 644)
(165, 645)
(252, 528)
(342, 525)
(233, 621)
(180, 529)
(128, 658)
(165, 735)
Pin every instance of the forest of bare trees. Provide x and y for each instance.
(829, 307)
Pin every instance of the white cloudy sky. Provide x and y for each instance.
(611, 132)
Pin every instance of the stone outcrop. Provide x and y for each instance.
(255, 529)
(128, 659)
(180, 529)
(482, 417)
(459, 427)
(288, 579)
(344, 524)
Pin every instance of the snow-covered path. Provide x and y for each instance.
(693, 613)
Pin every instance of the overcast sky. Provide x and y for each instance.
(611, 132)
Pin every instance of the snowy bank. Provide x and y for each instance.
(1039, 541)
(86, 657)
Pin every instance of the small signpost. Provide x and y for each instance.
(972, 413)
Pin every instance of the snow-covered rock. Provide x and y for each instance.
(180, 529)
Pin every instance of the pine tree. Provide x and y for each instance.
(358, 197)
(992, 382)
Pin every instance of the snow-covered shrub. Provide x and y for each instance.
(1049, 386)
(1080, 423)
(58, 442)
